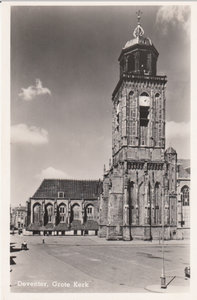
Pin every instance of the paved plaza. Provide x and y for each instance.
(90, 264)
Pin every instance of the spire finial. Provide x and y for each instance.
(139, 13)
(139, 31)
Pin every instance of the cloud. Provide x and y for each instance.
(31, 92)
(22, 134)
(178, 136)
(174, 15)
(51, 173)
(177, 130)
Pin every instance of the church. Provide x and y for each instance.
(145, 187)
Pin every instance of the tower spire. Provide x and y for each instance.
(138, 31)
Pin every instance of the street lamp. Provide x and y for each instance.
(163, 276)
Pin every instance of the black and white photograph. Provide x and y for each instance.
(100, 110)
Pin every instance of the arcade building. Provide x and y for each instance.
(64, 207)
(145, 187)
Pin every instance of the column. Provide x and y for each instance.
(31, 218)
(153, 200)
(55, 212)
(126, 203)
(42, 212)
(163, 206)
(126, 221)
(69, 212)
(137, 199)
(146, 204)
(83, 212)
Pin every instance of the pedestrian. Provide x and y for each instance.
(43, 241)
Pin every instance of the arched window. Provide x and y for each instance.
(131, 93)
(90, 212)
(185, 195)
(144, 62)
(49, 211)
(144, 94)
(131, 63)
(157, 95)
(37, 213)
(62, 213)
(76, 212)
(159, 115)
(144, 102)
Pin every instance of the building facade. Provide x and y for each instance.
(18, 217)
(145, 188)
(183, 198)
(64, 207)
(140, 187)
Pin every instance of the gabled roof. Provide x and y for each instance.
(73, 189)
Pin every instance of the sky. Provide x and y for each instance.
(64, 68)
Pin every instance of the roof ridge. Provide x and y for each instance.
(39, 187)
(70, 179)
(72, 188)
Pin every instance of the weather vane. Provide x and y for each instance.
(139, 31)
(139, 13)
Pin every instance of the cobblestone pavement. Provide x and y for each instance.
(89, 264)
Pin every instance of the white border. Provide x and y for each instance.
(5, 158)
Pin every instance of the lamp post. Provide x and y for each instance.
(163, 276)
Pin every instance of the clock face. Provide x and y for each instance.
(144, 101)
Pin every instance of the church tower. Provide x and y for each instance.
(136, 197)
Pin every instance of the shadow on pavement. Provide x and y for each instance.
(12, 262)
(12, 249)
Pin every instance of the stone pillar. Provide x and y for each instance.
(109, 204)
(153, 200)
(126, 202)
(163, 206)
(69, 212)
(146, 199)
(137, 199)
(147, 204)
(126, 208)
(42, 212)
(31, 217)
(179, 208)
(55, 212)
(115, 212)
(83, 212)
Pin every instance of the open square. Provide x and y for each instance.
(89, 264)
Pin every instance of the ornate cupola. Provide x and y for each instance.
(139, 56)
